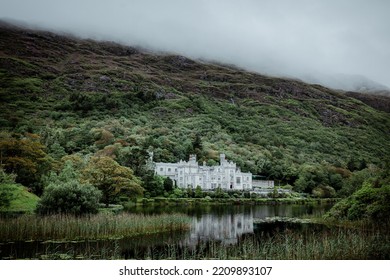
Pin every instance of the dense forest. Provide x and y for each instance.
(75, 110)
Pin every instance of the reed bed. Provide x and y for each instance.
(94, 227)
(337, 244)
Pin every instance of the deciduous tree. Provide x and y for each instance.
(111, 178)
(26, 157)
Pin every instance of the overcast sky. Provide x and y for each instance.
(299, 38)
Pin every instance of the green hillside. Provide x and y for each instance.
(85, 97)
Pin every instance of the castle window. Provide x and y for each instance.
(161, 169)
(169, 170)
(238, 180)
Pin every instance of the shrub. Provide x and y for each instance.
(323, 192)
(70, 198)
(65, 194)
(367, 203)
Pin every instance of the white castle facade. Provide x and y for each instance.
(189, 174)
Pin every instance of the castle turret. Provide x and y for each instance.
(222, 159)
(192, 159)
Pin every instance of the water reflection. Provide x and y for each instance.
(225, 228)
(226, 224)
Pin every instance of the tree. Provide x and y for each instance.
(153, 184)
(196, 146)
(310, 176)
(26, 157)
(64, 194)
(6, 195)
(198, 192)
(111, 178)
(134, 157)
(168, 184)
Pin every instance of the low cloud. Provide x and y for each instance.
(310, 40)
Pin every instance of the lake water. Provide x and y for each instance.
(222, 224)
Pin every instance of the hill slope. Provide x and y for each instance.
(101, 97)
(21, 200)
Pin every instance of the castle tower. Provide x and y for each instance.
(222, 159)
(192, 159)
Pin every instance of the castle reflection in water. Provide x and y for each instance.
(225, 228)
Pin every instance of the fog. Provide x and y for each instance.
(318, 41)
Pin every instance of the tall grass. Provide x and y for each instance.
(340, 244)
(100, 226)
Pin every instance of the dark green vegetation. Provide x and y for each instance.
(370, 202)
(64, 98)
(64, 194)
(15, 196)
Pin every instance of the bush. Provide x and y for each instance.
(367, 203)
(65, 194)
(323, 192)
(69, 198)
(6, 178)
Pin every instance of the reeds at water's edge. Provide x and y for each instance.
(100, 226)
(341, 241)
(332, 244)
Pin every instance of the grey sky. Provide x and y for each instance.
(301, 38)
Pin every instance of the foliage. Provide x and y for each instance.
(324, 192)
(304, 135)
(198, 192)
(178, 193)
(16, 198)
(111, 178)
(356, 180)
(6, 195)
(168, 184)
(367, 203)
(64, 194)
(153, 184)
(25, 157)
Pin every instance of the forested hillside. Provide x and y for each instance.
(67, 98)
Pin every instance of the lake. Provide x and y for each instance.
(212, 225)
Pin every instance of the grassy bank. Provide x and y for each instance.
(20, 199)
(100, 226)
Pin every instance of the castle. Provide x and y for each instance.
(189, 174)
